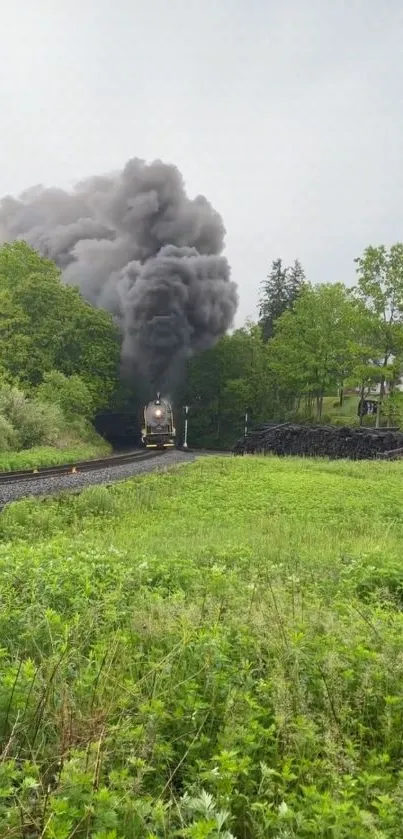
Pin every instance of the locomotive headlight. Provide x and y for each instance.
(158, 413)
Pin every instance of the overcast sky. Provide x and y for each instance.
(287, 115)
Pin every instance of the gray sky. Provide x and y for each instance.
(287, 115)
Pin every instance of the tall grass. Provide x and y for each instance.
(214, 651)
(49, 456)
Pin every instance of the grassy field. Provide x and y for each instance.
(348, 410)
(50, 456)
(214, 651)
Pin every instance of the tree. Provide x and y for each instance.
(380, 288)
(392, 409)
(296, 280)
(15, 344)
(279, 291)
(226, 381)
(46, 325)
(313, 350)
(71, 393)
(32, 422)
(90, 347)
(274, 298)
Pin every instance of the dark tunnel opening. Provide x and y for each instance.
(122, 429)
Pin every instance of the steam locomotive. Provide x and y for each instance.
(158, 430)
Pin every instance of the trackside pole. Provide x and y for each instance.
(246, 425)
(185, 442)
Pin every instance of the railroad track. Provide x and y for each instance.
(77, 467)
(80, 466)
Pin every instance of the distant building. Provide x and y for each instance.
(374, 390)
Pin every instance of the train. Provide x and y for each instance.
(158, 430)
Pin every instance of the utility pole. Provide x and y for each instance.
(185, 442)
(378, 413)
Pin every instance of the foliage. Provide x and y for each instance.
(392, 409)
(317, 341)
(296, 280)
(214, 651)
(380, 287)
(279, 291)
(46, 325)
(48, 418)
(33, 422)
(225, 382)
(40, 456)
(312, 351)
(71, 393)
(320, 340)
(8, 435)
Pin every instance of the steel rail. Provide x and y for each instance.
(77, 467)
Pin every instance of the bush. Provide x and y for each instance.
(225, 638)
(33, 423)
(392, 409)
(353, 422)
(71, 393)
(42, 425)
(369, 421)
(8, 435)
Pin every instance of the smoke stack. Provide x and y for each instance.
(137, 246)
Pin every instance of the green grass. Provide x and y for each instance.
(50, 456)
(349, 408)
(334, 413)
(213, 651)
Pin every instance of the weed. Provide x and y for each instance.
(39, 456)
(214, 651)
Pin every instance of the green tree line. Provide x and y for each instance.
(59, 356)
(310, 341)
(46, 325)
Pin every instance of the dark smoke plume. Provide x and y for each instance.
(136, 245)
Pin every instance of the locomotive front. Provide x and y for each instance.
(158, 431)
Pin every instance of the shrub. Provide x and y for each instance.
(42, 424)
(8, 435)
(33, 422)
(71, 393)
(214, 651)
(95, 500)
(344, 421)
(392, 409)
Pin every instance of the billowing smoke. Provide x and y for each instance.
(136, 245)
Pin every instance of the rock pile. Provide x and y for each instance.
(319, 441)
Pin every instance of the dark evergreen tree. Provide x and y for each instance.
(296, 280)
(274, 299)
(279, 291)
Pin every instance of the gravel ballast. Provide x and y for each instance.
(53, 485)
